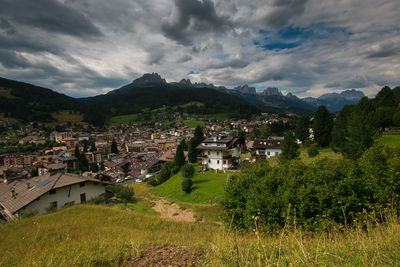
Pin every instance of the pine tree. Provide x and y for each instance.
(386, 98)
(340, 128)
(322, 126)
(179, 159)
(76, 153)
(114, 148)
(289, 147)
(302, 128)
(194, 142)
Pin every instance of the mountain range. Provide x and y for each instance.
(27, 102)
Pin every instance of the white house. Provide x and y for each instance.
(266, 148)
(220, 152)
(37, 194)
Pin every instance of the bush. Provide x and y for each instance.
(316, 195)
(153, 181)
(187, 185)
(312, 151)
(188, 170)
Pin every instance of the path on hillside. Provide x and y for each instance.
(172, 211)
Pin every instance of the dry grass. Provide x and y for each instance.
(89, 235)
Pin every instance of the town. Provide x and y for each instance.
(116, 154)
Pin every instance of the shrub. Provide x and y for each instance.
(312, 151)
(316, 195)
(187, 185)
(188, 171)
(153, 181)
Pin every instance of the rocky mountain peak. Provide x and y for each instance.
(245, 89)
(186, 82)
(149, 78)
(270, 91)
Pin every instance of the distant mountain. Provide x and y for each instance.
(335, 101)
(272, 91)
(28, 102)
(147, 80)
(245, 89)
(151, 92)
(272, 100)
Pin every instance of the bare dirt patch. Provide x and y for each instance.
(169, 255)
(172, 211)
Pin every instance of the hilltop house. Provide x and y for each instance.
(266, 148)
(38, 194)
(219, 153)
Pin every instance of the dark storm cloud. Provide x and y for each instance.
(234, 63)
(5, 26)
(10, 59)
(27, 43)
(355, 82)
(283, 12)
(191, 17)
(386, 49)
(48, 15)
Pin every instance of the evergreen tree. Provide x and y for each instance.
(322, 126)
(194, 142)
(187, 171)
(192, 151)
(302, 128)
(198, 134)
(83, 164)
(187, 185)
(76, 153)
(114, 147)
(386, 98)
(289, 147)
(94, 167)
(179, 159)
(340, 128)
(361, 129)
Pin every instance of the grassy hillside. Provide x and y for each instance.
(206, 186)
(87, 235)
(391, 139)
(66, 116)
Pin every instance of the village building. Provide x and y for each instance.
(42, 193)
(59, 136)
(71, 142)
(266, 148)
(219, 153)
(67, 158)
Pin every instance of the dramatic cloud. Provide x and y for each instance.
(193, 17)
(308, 47)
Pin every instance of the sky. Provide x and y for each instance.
(307, 47)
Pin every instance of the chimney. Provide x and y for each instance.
(28, 185)
(14, 195)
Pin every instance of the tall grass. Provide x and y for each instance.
(88, 235)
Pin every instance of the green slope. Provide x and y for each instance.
(206, 186)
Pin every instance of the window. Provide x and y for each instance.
(268, 153)
(52, 191)
(276, 153)
(82, 184)
(53, 204)
(217, 153)
(208, 152)
(209, 161)
(217, 161)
